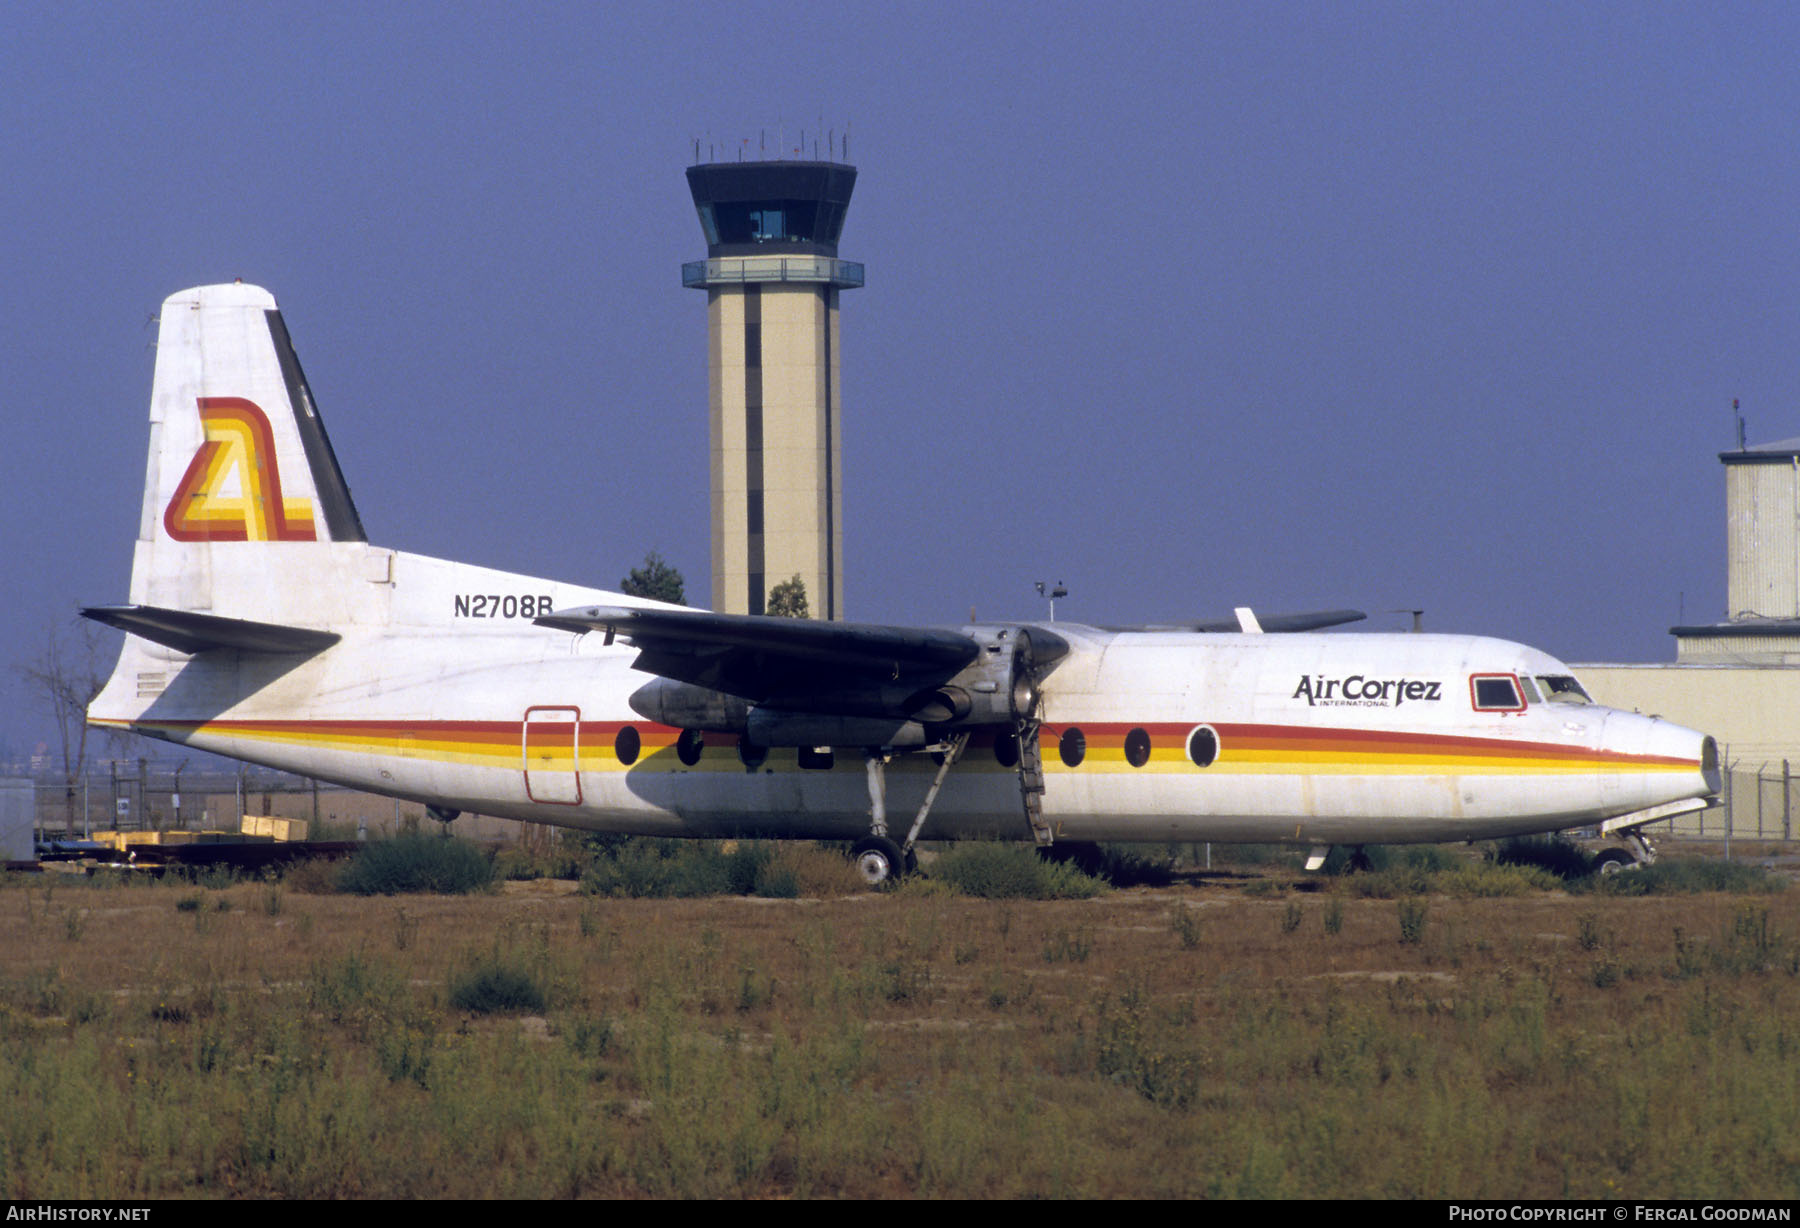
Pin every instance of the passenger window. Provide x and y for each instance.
(1495, 693)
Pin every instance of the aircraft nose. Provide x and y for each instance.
(1709, 764)
(1691, 757)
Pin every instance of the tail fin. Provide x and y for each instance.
(239, 458)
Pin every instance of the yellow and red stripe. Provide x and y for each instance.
(1242, 748)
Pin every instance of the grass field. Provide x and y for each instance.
(1239, 1034)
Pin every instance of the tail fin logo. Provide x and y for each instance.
(231, 491)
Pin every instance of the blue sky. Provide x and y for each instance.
(1193, 306)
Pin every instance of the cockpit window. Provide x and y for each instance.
(1495, 693)
(1532, 695)
(1562, 689)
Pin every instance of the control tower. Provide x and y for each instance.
(772, 277)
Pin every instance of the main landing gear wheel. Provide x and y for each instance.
(878, 859)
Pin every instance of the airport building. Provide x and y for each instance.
(1739, 679)
(772, 277)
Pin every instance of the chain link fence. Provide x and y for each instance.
(1759, 801)
(142, 795)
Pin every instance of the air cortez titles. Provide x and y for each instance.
(1371, 692)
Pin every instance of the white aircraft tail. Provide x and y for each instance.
(249, 542)
(247, 527)
(238, 452)
(239, 459)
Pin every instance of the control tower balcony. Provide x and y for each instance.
(742, 270)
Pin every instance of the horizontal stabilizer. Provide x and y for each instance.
(1316, 620)
(186, 631)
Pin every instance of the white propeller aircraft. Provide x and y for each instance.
(264, 626)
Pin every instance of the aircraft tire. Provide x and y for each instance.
(1611, 861)
(878, 859)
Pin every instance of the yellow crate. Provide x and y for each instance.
(273, 828)
(123, 840)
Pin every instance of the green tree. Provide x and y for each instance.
(788, 599)
(656, 580)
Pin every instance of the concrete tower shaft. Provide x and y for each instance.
(1762, 516)
(772, 279)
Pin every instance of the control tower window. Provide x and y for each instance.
(709, 225)
(768, 225)
(759, 221)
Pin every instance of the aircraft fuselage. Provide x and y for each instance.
(1310, 738)
(263, 625)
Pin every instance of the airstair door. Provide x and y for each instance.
(551, 742)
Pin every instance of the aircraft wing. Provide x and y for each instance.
(753, 656)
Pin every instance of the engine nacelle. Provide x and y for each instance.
(686, 706)
(1000, 686)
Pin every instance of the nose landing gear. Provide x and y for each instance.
(1637, 853)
